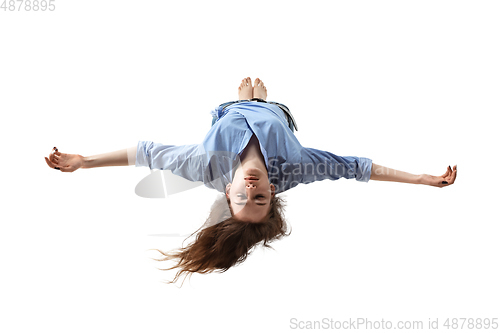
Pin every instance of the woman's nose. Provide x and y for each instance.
(250, 186)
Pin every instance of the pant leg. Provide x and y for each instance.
(290, 123)
(287, 113)
(221, 108)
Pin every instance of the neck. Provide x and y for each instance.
(252, 156)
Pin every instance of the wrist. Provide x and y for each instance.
(421, 179)
(86, 162)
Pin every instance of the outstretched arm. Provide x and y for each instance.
(72, 162)
(382, 173)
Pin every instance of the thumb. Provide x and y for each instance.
(66, 169)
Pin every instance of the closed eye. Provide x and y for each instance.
(257, 197)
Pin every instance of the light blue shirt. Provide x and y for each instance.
(214, 161)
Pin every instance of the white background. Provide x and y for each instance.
(413, 85)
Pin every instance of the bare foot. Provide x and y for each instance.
(245, 89)
(259, 90)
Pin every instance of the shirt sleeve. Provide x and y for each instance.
(319, 165)
(186, 161)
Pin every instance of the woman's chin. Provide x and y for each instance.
(253, 172)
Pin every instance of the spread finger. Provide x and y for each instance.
(50, 164)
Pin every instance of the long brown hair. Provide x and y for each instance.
(225, 241)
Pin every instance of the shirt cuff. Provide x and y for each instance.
(364, 169)
(217, 112)
(143, 158)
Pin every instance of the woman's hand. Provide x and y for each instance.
(64, 162)
(440, 181)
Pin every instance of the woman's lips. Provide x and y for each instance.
(251, 178)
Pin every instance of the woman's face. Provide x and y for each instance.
(250, 194)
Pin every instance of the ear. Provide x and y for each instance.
(273, 189)
(228, 187)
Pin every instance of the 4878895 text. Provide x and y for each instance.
(28, 5)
